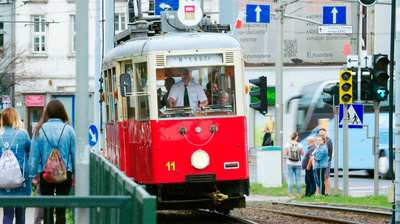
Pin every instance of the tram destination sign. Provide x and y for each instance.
(201, 59)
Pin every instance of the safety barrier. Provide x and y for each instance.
(114, 198)
(107, 179)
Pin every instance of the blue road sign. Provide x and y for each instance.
(355, 114)
(93, 135)
(258, 13)
(334, 15)
(164, 5)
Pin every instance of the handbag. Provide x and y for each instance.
(55, 171)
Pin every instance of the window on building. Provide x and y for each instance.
(1, 36)
(73, 34)
(119, 22)
(39, 34)
(1, 40)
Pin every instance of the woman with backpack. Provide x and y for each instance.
(53, 138)
(16, 139)
(294, 150)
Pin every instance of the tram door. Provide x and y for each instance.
(34, 114)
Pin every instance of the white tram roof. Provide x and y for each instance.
(178, 41)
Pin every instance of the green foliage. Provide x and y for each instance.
(369, 200)
(256, 188)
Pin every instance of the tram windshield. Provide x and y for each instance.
(196, 91)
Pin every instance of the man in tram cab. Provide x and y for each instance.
(187, 93)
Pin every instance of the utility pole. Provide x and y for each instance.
(279, 79)
(97, 72)
(397, 120)
(81, 108)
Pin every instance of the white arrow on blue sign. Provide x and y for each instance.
(93, 135)
(258, 13)
(355, 115)
(165, 5)
(334, 15)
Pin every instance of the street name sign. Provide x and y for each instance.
(258, 13)
(335, 29)
(334, 15)
(352, 61)
(355, 115)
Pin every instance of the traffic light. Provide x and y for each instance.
(261, 94)
(380, 77)
(333, 91)
(366, 84)
(354, 85)
(345, 87)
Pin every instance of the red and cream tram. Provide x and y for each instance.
(187, 158)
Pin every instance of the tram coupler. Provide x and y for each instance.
(218, 197)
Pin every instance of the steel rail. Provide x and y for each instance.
(234, 218)
(338, 208)
(304, 215)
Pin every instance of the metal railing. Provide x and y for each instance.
(107, 179)
(114, 198)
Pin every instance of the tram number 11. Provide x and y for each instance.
(170, 165)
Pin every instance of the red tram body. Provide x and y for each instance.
(195, 159)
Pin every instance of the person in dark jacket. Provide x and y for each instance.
(267, 141)
(309, 177)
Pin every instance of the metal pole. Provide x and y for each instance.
(391, 85)
(82, 109)
(397, 120)
(336, 148)
(376, 149)
(279, 80)
(97, 72)
(345, 152)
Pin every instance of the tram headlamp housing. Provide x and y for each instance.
(200, 159)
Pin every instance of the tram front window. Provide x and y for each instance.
(196, 91)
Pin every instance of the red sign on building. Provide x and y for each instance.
(34, 100)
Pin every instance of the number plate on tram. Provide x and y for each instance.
(194, 59)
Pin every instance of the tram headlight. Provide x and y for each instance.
(200, 159)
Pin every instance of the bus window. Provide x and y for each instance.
(211, 91)
(142, 87)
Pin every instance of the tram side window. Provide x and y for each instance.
(142, 87)
(109, 99)
(131, 99)
(211, 91)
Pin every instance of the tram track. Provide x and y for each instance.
(277, 212)
(199, 216)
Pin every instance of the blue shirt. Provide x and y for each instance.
(321, 157)
(42, 147)
(20, 147)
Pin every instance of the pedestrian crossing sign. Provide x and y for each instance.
(355, 115)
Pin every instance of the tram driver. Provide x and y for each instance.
(187, 93)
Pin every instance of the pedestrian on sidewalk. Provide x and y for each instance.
(327, 176)
(307, 166)
(15, 138)
(53, 132)
(294, 150)
(321, 161)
